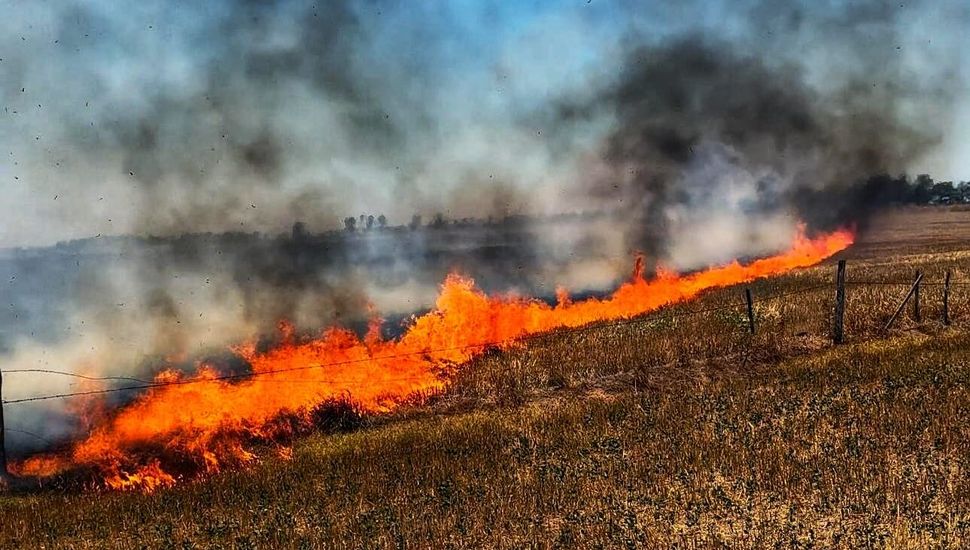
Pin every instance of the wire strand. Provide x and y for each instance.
(76, 375)
(527, 337)
(25, 432)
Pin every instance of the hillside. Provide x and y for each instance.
(678, 429)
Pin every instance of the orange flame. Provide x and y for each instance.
(201, 423)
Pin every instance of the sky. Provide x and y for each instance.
(159, 117)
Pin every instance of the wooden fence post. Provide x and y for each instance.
(838, 327)
(912, 290)
(3, 447)
(916, 280)
(750, 302)
(946, 298)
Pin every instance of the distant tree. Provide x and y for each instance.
(881, 189)
(382, 221)
(370, 222)
(943, 191)
(362, 221)
(415, 222)
(350, 224)
(299, 231)
(438, 221)
(923, 190)
(963, 191)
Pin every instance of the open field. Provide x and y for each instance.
(677, 430)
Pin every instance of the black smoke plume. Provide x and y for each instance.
(699, 120)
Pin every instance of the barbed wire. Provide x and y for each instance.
(75, 375)
(25, 432)
(554, 332)
(793, 293)
(923, 282)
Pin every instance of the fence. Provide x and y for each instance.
(747, 305)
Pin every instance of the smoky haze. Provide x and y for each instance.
(248, 116)
(719, 143)
(694, 133)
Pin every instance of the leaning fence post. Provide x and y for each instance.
(912, 289)
(916, 313)
(838, 330)
(946, 298)
(750, 302)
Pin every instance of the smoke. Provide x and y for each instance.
(237, 115)
(247, 115)
(704, 131)
(718, 143)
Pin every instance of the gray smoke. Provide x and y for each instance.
(720, 145)
(694, 132)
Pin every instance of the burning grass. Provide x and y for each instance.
(684, 430)
(185, 427)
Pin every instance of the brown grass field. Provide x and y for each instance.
(678, 431)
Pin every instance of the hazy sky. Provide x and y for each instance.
(162, 116)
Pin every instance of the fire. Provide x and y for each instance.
(200, 423)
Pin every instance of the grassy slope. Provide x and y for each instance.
(680, 431)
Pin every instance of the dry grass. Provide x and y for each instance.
(677, 431)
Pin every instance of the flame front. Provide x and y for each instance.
(201, 424)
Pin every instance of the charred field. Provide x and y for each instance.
(681, 429)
